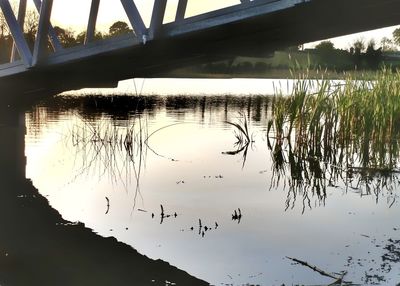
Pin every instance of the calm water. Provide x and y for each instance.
(110, 162)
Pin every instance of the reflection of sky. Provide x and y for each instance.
(204, 87)
(166, 86)
(250, 252)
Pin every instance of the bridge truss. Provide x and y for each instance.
(46, 30)
(142, 34)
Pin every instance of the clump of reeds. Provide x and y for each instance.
(325, 132)
(361, 116)
(242, 133)
(243, 137)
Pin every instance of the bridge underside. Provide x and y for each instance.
(194, 40)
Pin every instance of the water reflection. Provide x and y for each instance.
(39, 247)
(173, 191)
(308, 170)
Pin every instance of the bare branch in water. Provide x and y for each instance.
(338, 280)
(108, 205)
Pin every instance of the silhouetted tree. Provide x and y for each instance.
(357, 48)
(80, 38)
(373, 56)
(119, 28)
(30, 27)
(3, 26)
(327, 53)
(5, 40)
(396, 36)
(65, 36)
(387, 44)
(325, 46)
(370, 46)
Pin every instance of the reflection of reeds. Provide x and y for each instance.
(243, 137)
(324, 131)
(105, 148)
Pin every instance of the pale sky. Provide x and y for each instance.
(65, 12)
(74, 14)
(345, 42)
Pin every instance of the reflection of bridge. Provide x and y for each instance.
(39, 247)
(250, 28)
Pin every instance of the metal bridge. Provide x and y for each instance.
(248, 28)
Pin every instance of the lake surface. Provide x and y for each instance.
(229, 216)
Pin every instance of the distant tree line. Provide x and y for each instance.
(67, 37)
(229, 67)
(359, 56)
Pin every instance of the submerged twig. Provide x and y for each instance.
(108, 205)
(338, 280)
(146, 141)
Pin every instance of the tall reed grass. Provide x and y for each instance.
(325, 132)
(359, 116)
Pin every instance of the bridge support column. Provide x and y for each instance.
(21, 21)
(134, 17)
(180, 12)
(40, 48)
(157, 17)
(91, 27)
(55, 43)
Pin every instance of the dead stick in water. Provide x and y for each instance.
(108, 205)
(315, 268)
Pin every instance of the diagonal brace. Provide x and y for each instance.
(181, 10)
(157, 17)
(91, 27)
(55, 42)
(21, 21)
(134, 17)
(40, 48)
(16, 33)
